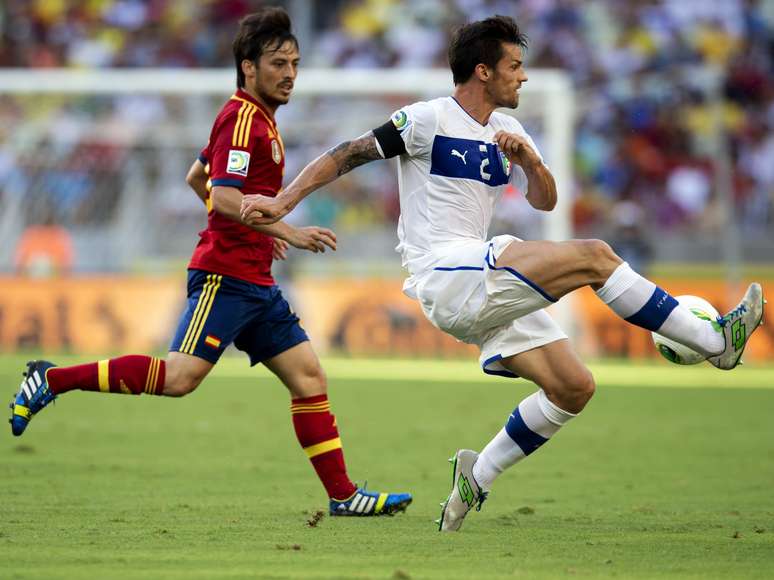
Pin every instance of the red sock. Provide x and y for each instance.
(131, 375)
(316, 431)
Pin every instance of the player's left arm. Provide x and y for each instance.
(197, 180)
(541, 186)
(328, 167)
(227, 201)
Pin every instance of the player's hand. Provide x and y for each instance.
(280, 249)
(516, 149)
(313, 238)
(259, 210)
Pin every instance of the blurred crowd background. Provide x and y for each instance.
(652, 79)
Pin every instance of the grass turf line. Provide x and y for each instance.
(648, 482)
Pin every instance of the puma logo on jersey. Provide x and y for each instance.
(456, 153)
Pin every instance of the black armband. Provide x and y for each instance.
(389, 140)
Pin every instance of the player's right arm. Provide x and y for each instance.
(196, 178)
(227, 201)
(341, 159)
(409, 131)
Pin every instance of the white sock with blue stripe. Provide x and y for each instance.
(640, 302)
(531, 424)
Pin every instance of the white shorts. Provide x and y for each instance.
(496, 308)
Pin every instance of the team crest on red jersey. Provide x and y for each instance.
(276, 151)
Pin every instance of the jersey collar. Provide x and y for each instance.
(244, 96)
(470, 117)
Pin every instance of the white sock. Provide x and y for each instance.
(641, 302)
(530, 425)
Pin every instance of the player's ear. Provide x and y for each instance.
(482, 72)
(248, 67)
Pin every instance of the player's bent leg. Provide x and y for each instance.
(184, 372)
(561, 267)
(558, 370)
(300, 371)
(44, 381)
(566, 386)
(315, 426)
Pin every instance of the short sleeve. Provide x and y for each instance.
(203, 156)
(229, 151)
(414, 125)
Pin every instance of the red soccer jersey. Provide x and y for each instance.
(244, 151)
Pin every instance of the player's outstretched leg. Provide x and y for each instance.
(465, 493)
(738, 325)
(34, 394)
(370, 503)
(129, 375)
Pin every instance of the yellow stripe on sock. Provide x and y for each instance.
(380, 503)
(200, 306)
(205, 314)
(103, 376)
(321, 406)
(148, 376)
(154, 382)
(324, 447)
(153, 370)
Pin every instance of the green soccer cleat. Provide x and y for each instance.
(465, 493)
(737, 327)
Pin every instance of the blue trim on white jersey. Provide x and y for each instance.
(453, 157)
(445, 269)
(519, 275)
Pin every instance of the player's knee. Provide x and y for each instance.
(179, 383)
(575, 391)
(310, 382)
(599, 257)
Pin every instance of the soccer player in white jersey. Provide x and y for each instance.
(456, 155)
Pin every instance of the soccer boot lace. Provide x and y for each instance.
(370, 503)
(737, 327)
(33, 395)
(465, 493)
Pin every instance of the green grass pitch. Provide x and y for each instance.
(667, 474)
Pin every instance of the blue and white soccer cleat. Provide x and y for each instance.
(737, 327)
(33, 395)
(370, 503)
(465, 494)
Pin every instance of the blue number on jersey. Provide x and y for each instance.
(469, 159)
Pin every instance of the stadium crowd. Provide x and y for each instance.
(643, 71)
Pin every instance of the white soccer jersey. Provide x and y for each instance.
(450, 179)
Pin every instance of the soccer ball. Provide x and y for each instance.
(676, 352)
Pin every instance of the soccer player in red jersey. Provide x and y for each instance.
(232, 296)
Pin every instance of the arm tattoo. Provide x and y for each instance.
(351, 154)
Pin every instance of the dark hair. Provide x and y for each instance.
(481, 43)
(265, 30)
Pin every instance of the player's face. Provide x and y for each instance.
(507, 77)
(276, 73)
